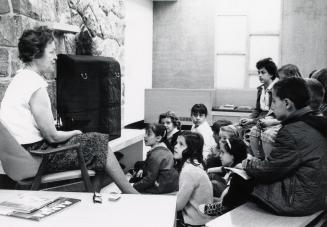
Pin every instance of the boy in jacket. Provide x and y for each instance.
(292, 180)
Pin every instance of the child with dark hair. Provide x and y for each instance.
(321, 76)
(173, 127)
(317, 93)
(159, 175)
(213, 159)
(235, 190)
(218, 183)
(199, 114)
(216, 128)
(194, 185)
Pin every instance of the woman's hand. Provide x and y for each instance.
(77, 132)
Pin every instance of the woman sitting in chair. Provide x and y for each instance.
(26, 112)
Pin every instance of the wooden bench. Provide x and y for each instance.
(249, 214)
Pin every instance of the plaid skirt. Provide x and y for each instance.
(94, 148)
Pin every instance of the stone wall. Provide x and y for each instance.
(104, 19)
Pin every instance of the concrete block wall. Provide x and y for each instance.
(304, 34)
(183, 44)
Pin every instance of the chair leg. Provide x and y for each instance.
(85, 175)
(37, 179)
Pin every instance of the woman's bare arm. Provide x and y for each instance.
(41, 109)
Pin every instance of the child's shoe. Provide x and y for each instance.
(212, 209)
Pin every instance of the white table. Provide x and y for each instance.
(249, 214)
(128, 211)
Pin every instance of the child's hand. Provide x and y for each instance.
(245, 121)
(139, 173)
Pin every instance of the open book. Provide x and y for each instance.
(26, 203)
(46, 206)
(239, 172)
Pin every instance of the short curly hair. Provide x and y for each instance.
(33, 42)
(173, 117)
(269, 65)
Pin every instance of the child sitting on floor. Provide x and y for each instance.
(199, 113)
(213, 159)
(238, 186)
(173, 127)
(194, 184)
(218, 183)
(159, 175)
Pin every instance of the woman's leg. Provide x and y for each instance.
(116, 173)
(97, 155)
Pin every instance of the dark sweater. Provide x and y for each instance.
(159, 174)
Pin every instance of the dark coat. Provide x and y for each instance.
(158, 168)
(293, 179)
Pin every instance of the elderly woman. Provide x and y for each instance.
(26, 112)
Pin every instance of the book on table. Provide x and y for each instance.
(34, 207)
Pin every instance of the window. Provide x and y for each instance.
(246, 31)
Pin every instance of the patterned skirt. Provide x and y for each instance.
(94, 148)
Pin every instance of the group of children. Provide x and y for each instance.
(179, 161)
(202, 164)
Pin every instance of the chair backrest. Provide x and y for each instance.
(17, 163)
